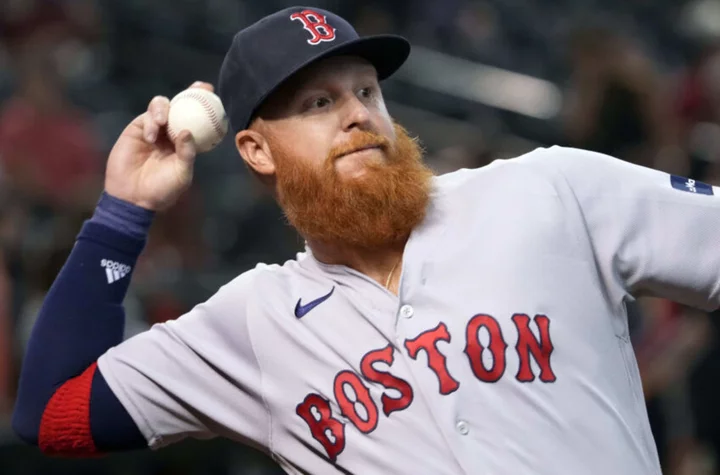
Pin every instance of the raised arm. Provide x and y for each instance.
(64, 403)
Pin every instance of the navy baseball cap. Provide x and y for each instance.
(267, 53)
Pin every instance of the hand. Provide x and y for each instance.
(145, 167)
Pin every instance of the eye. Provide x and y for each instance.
(366, 92)
(319, 103)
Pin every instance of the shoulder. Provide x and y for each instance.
(569, 161)
(253, 293)
(593, 173)
(542, 174)
(525, 174)
(554, 166)
(256, 284)
(264, 275)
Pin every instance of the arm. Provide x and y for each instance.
(64, 403)
(650, 233)
(84, 392)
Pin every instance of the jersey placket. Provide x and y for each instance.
(412, 320)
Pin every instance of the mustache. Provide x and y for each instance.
(359, 141)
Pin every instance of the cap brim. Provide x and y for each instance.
(387, 53)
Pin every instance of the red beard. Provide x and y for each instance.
(378, 209)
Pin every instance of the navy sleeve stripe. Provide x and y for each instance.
(111, 238)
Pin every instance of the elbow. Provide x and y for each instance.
(61, 430)
(61, 427)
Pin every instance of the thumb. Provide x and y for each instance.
(185, 147)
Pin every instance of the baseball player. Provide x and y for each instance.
(469, 323)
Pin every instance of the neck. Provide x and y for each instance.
(374, 263)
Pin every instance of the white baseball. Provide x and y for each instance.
(201, 112)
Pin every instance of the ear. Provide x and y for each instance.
(254, 149)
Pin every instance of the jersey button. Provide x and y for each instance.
(462, 427)
(406, 311)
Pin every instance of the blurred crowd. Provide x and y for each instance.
(640, 81)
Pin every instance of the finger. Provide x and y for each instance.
(158, 109)
(203, 85)
(185, 146)
(150, 128)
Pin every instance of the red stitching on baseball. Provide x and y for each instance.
(208, 108)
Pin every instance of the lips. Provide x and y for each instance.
(360, 149)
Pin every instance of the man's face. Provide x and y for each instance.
(344, 172)
(318, 114)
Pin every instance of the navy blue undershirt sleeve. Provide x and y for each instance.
(111, 426)
(81, 318)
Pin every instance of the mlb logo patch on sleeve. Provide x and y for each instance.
(690, 185)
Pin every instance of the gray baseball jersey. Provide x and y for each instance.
(505, 353)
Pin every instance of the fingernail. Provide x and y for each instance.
(187, 138)
(151, 137)
(158, 117)
(197, 83)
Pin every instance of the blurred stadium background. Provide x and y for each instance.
(638, 79)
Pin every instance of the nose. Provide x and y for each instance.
(357, 115)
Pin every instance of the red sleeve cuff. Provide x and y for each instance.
(65, 424)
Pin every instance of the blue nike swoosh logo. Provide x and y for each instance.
(302, 310)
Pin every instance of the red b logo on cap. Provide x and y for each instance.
(316, 24)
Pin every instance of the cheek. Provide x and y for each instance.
(305, 145)
(384, 123)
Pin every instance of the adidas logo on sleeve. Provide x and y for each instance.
(115, 270)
